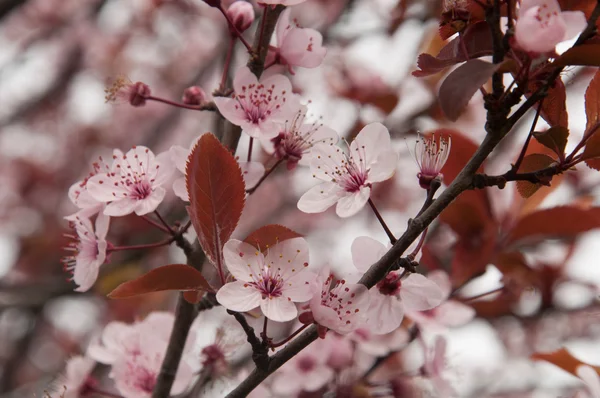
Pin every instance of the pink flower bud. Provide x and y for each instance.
(241, 14)
(123, 90)
(138, 94)
(194, 95)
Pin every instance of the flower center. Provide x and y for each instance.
(390, 285)
(259, 102)
(141, 190)
(306, 364)
(268, 284)
(354, 178)
(145, 379)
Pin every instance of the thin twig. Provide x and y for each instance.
(389, 233)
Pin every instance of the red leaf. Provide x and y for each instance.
(477, 41)
(557, 222)
(168, 277)
(554, 107)
(563, 359)
(461, 84)
(270, 235)
(555, 139)
(592, 101)
(531, 163)
(193, 297)
(462, 150)
(584, 54)
(217, 195)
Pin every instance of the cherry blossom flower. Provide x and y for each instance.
(286, 3)
(341, 308)
(590, 377)
(296, 139)
(274, 282)
(434, 367)
(251, 171)
(124, 90)
(80, 197)
(136, 353)
(296, 46)
(450, 313)
(380, 345)
(307, 371)
(396, 292)
(258, 107)
(348, 178)
(135, 183)
(88, 251)
(76, 380)
(431, 155)
(542, 25)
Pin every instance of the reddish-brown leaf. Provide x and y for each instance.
(461, 84)
(270, 235)
(563, 359)
(554, 107)
(584, 54)
(168, 277)
(462, 150)
(592, 101)
(591, 152)
(555, 139)
(217, 193)
(531, 163)
(556, 222)
(193, 296)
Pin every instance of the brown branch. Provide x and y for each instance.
(260, 349)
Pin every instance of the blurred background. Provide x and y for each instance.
(57, 56)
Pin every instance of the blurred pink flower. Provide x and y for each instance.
(88, 251)
(80, 197)
(342, 308)
(395, 293)
(135, 184)
(380, 345)
(431, 155)
(542, 25)
(349, 177)
(76, 379)
(434, 367)
(258, 107)
(296, 46)
(274, 282)
(307, 371)
(450, 313)
(251, 171)
(124, 90)
(296, 139)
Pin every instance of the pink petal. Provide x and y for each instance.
(419, 293)
(283, 26)
(243, 260)
(576, 23)
(278, 309)
(238, 296)
(385, 313)
(370, 142)
(103, 189)
(366, 252)
(289, 256)
(231, 110)
(454, 314)
(302, 287)
(148, 205)
(384, 167)
(317, 378)
(85, 275)
(351, 204)
(326, 160)
(320, 198)
(243, 77)
(180, 189)
(252, 173)
(442, 279)
(590, 378)
(179, 156)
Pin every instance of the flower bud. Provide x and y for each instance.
(138, 94)
(241, 14)
(193, 95)
(123, 90)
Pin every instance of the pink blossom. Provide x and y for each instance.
(450, 313)
(286, 3)
(348, 178)
(274, 282)
(296, 46)
(76, 379)
(395, 293)
(88, 251)
(80, 197)
(307, 371)
(124, 90)
(542, 25)
(136, 353)
(258, 107)
(434, 367)
(296, 139)
(241, 14)
(251, 171)
(590, 377)
(431, 155)
(341, 308)
(380, 344)
(134, 185)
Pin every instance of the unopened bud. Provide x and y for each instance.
(241, 14)
(213, 3)
(193, 95)
(123, 90)
(138, 94)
